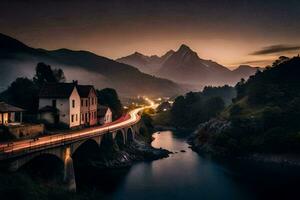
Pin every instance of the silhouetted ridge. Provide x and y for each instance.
(9, 44)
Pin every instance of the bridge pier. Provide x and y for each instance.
(69, 174)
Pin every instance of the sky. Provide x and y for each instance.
(229, 32)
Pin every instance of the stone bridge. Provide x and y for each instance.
(64, 146)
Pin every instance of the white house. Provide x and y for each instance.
(59, 103)
(104, 115)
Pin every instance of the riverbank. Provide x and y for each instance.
(200, 144)
(127, 155)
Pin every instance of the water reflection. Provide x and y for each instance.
(186, 175)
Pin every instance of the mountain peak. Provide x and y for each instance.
(137, 54)
(184, 47)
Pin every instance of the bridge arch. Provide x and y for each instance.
(38, 159)
(120, 139)
(86, 150)
(76, 145)
(130, 135)
(48, 166)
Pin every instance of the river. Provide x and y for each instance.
(187, 175)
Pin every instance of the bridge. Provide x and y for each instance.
(64, 145)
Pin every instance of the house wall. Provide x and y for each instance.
(75, 111)
(88, 112)
(48, 117)
(5, 118)
(84, 111)
(65, 109)
(107, 118)
(12, 117)
(61, 104)
(93, 107)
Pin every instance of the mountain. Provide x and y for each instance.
(19, 60)
(147, 64)
(243, 71)
(263, 118)
(186, 67)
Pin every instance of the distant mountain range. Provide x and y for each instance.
(20, 60)
(147, 64)
(185, 66)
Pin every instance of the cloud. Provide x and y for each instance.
(276, 49)
(251, 62)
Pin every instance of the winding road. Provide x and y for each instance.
(7, 149)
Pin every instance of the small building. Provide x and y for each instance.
(11, 122)
(104, 115)
(8, 114)
(59, 104)
(88, 105)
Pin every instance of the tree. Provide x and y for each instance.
(280, 60)
(109, 97)
(213, 106)
(178, 111)
(59, 75)
(24, 93)
(44, 74)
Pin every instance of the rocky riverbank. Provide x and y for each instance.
(203, 141)
(129, 154)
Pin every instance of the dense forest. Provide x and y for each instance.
(264, 116)
(196, 107)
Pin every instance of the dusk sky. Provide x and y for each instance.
(229, 32)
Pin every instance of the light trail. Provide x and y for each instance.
(60, 139)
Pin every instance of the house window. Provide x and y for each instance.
(76, 117)
(72, 118)
(86, 102)
(54, 103)
(73, 103)
(92, 101)
(82, 117)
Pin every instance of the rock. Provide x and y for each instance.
(183, 151)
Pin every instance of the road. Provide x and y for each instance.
(27, 145)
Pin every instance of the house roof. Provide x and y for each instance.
(48, 109)
(57, 90)
(102, 110)
(4, 107)
(84, 90)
